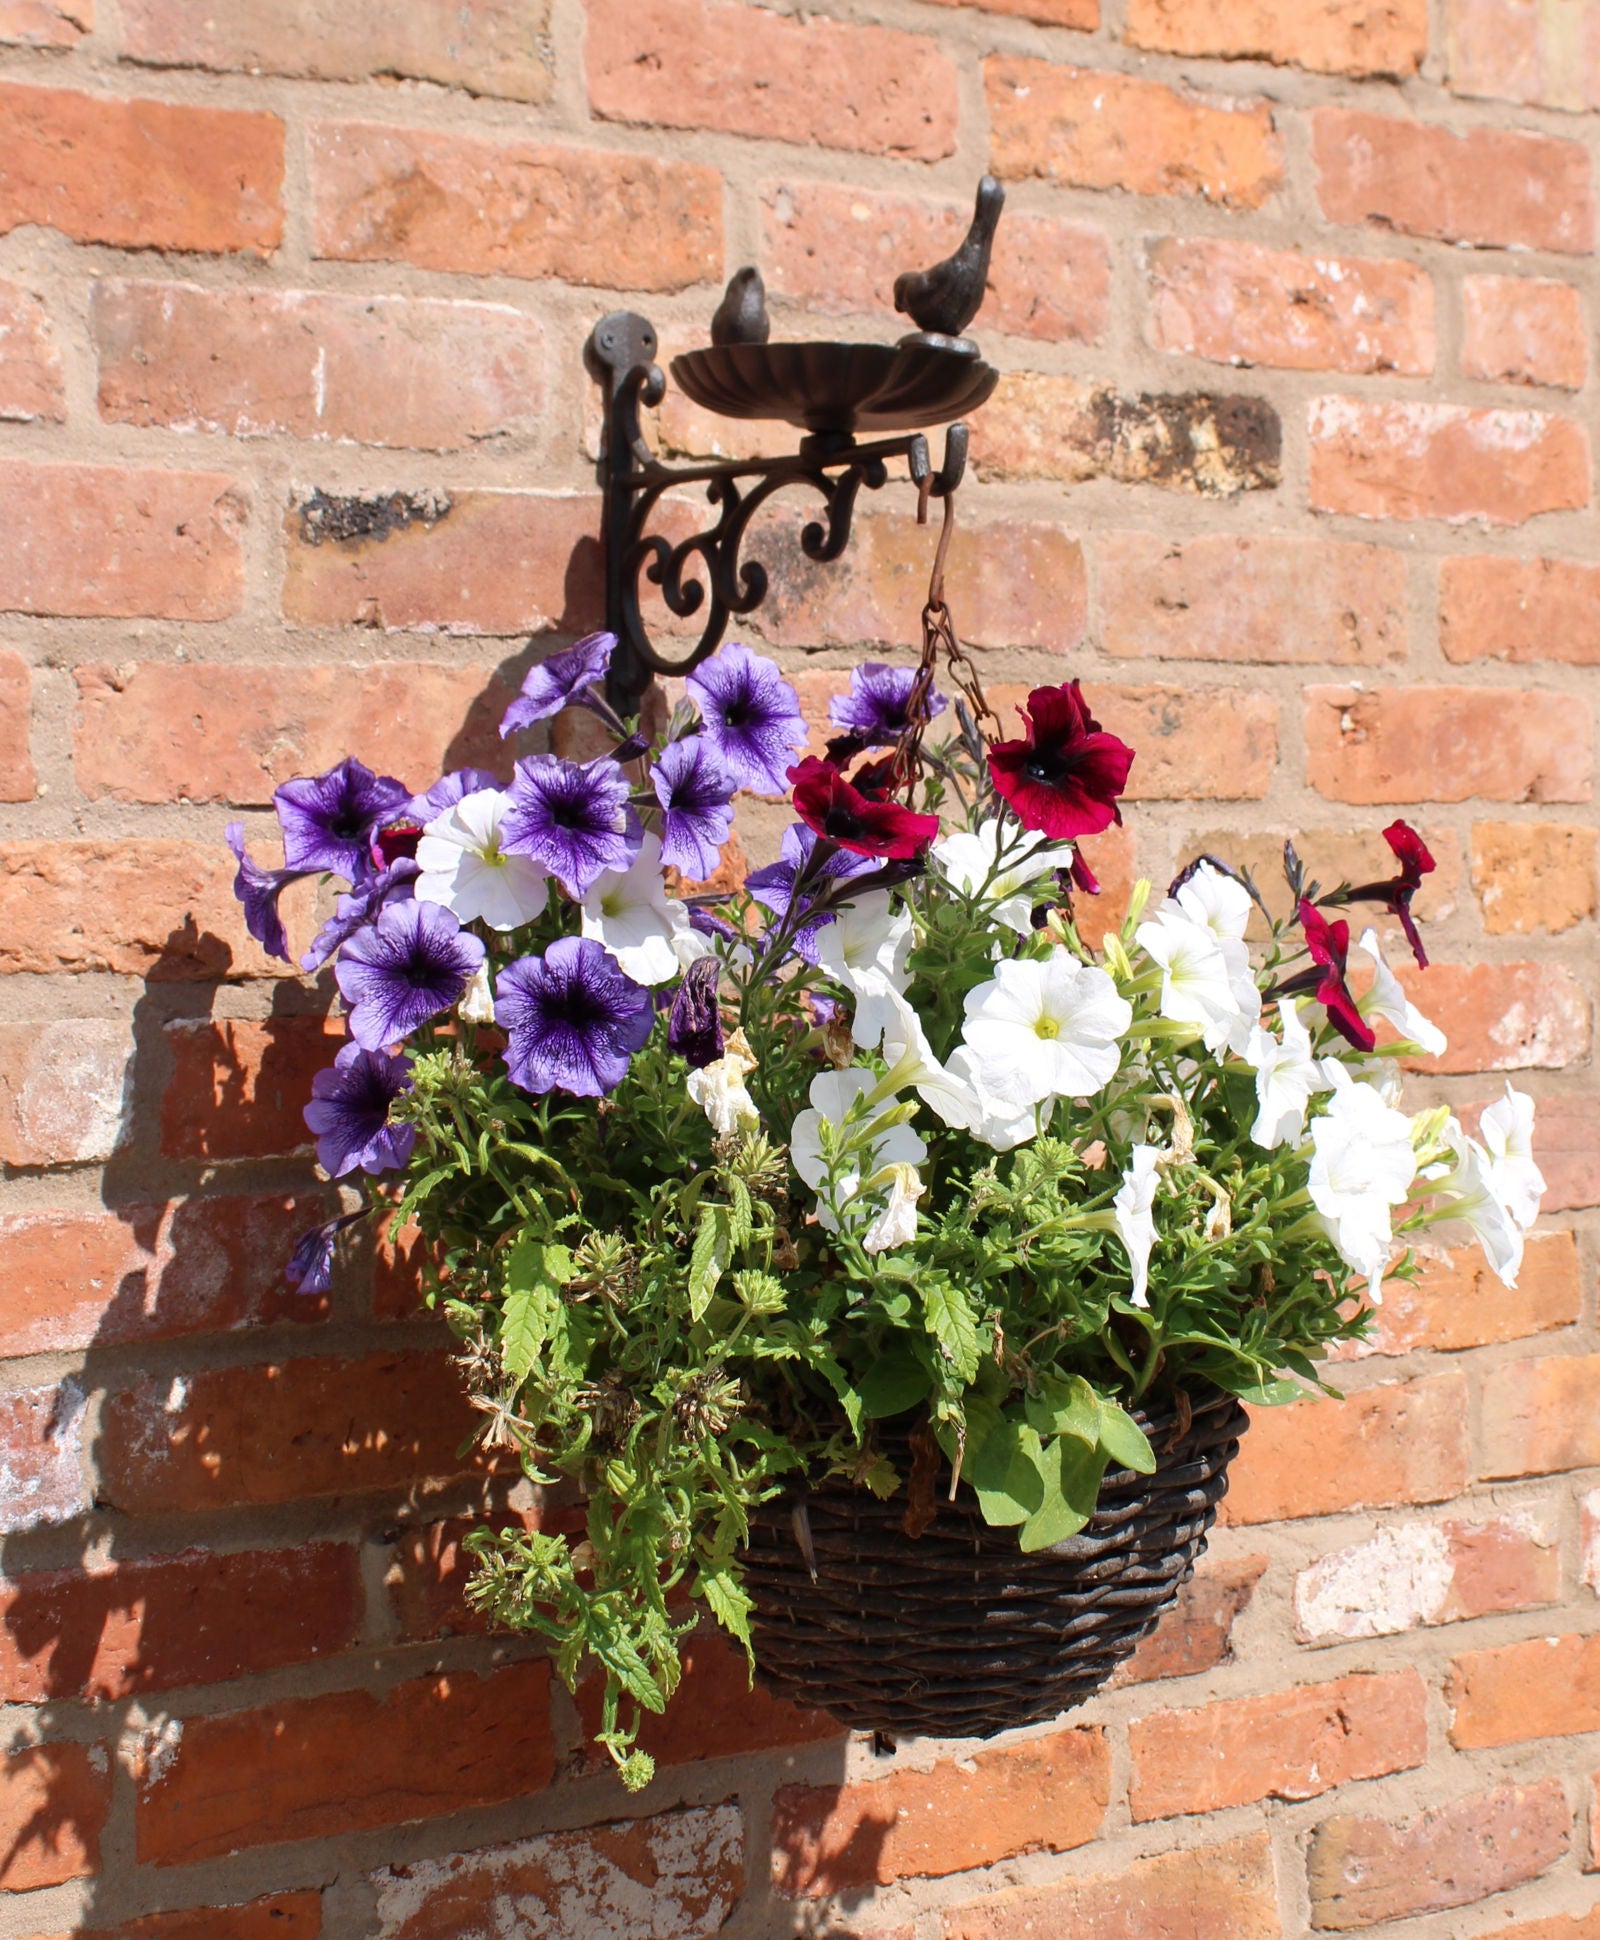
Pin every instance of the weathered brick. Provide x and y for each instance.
(193, 1618)
(54, 1803)
(70, 1280)
(1175, 733)
(45, 23)
(1566, 1143)
(31, 386)
(1524, 50)
(497, 47)
(1382, 458)
(1448, 744)
(1532, 876)
(1560, 1926)
(399, 1275)
(1223, 596)
(679, 1874)
(1540, 1416)
(1494, 187)
(223, 1437)
(1365, 1870)
(18, 782)
(1328, 36)
(102, 542)
(140, 174)
(1523, 330)
(369, 370)
(162, 731)
(154, 908)
(743, 70)
(1519, 610)
(284, 1916)
(512, 208)
(1047, 1795)
(1084, 15)
(1292, 1744)
(42, 1476)
(1240, 303)
(1501, 1016)
(1545, 1687)
(837, 251)
(1423, 1573)
(1197, 1634)
(62, 1090)
(1401, 1443)
(1089, 129)
(238, 1089)
(1224, 1892)
(1458, 1301)
(479, 562)
(311, 1767)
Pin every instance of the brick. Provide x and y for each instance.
(1545, 1687)
(285, 1916)
(45, 23)
(1222, 596)
(1533, 876)
(1379, 458)
(1198, 1634)
(1223, 1892)
(1240, 303)
(225, 1437)
(1293, 1744)
(1448, 744)
(1047, 1795)
(399, 1277)
(1566, 1143)
(1415, 1574)
(1329, 36)
(31, 385)
(1406, 1442)
(1088, 129)
(1084, 15)
(71, 1280)
(1457, 1301)
(837, 251)
(383, 194)
(675, 1876)
(54, 1802)
(162, 731)
(18, 782)
(1523, 330)
(1501, 1016)
(344, 1762)
(502, 563)
(1043, 426)
(1519, 610)
(366, 370)
(62, 1090)
(1498, 188)
(1365, 1870)
(1524, 50)
(104, 542)
(1175, 733)
(497, 47)
(140, 174)
(154, 908)
(238, 1089)
(193, 1618)
(430, 1567)
(1540, 1416)
(42, 1476)
(1022, 584)
(742, 70)
(1560, 1926)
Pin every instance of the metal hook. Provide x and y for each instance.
(941, 483)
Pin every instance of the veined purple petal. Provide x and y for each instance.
(328, 820)
(573, 1018)
(409, 965)
(351, 912)
(751, 716)
(448, 790)
(310, 1265)
(874, 710)
(559, 681)
(258, 890)
(695, 791)
(773, 887)
(573, 818)
(349, 1112)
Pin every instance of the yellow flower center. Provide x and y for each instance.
(1047, 1027)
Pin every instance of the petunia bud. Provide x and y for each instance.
(694, 1028)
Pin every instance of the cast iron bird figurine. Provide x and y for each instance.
(741, 317)
(944, 300)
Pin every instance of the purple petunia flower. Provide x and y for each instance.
(572, 818)
(873, 713)
(259, 889)
(694, 1027)
(573, 1017)
(310, 1266)
(449, 790)
(354, 911)
(695, 791)
(328, 819)
(349, 1112)
(559, 682)
(408, 966)
(751, 716)
(773, 887)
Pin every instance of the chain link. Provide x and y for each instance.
(939, 646)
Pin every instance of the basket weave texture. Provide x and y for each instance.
(956, 1633)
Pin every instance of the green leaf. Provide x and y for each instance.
(1270, 1394)
(1008, 1475)
(1124, 1441)
(1053, 1522)
(950, 1321)
(728, 1603)
(536, 1271)
(709, 1260)
(1077, 1472)
(1065, 1407)
(894, 1382)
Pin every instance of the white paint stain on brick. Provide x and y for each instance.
(1400, 1578)
(68, 1100)
(1590, 1506)
(41, 1456)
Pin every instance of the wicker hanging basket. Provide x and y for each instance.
(956, 1633)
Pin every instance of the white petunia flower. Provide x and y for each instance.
(1287, 1078)
(1134, 1207)
(1388, 1000)
(1362, 1165)
(465, 871)
(1216, 902)
(1046, 1029)
(718, 1088)
(865, 948)
(1200, 985)
(971, 861)
(1507, 1131)
(476, 1004)
(629, 912)
(1467, 1204)
(860, 1147)
(995, 1121)
(896, 1225)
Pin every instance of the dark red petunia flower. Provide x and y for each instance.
(830, 807)
(1329, 944)
(396, 843)
(1064, 777)
(1395, 892)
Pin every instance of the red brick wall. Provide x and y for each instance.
(1291, 463)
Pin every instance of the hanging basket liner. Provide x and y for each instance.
(956, 1633)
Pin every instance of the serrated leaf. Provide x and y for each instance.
(1065, 1407)
(950, 1321)
(726, 1599)
(1124, 1441)
(1007, 1474)
(536, 1271)
(742, 1223)
(709, 1259)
